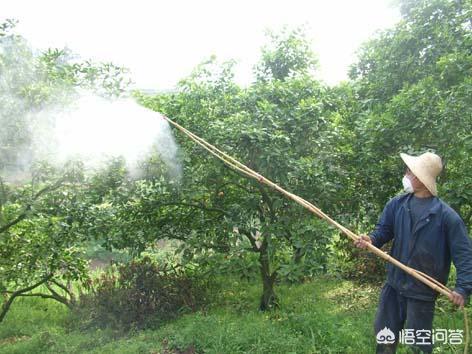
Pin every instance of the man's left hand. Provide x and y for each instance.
(457, 299)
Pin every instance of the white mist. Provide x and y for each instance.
(95, 129)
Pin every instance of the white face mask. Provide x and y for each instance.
(407, 186)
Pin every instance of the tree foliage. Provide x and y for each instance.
(43, 211)
(413, 84)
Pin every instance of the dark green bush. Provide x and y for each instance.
(140, 294)
(353, 263)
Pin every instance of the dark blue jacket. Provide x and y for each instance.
(439, 237)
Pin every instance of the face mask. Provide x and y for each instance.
(407, 186)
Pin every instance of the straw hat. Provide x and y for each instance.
(425, 167)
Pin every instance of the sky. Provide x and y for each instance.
(162, 41)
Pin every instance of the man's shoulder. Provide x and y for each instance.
(398, 199)
(449, 213)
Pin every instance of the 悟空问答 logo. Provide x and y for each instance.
(385, 336)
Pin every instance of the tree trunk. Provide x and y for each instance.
(268, 298)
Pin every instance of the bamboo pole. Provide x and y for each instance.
(431, 282)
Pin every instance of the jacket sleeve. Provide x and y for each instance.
(383, 231)
(460, 246)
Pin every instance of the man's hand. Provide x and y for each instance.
(362, 241)
(457, 299)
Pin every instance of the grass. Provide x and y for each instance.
(326, 315)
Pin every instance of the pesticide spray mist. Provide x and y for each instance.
(95, 129)
(72, 124)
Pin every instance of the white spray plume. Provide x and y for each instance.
(95, 129)
(87, 127)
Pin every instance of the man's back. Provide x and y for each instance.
(427, 244)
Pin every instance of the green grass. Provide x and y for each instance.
(326, 315)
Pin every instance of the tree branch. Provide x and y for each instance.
(268, 201)
(15, 221)
(7, 304)
(235, 184)
(28, 207)
(199, 206)
(44, 296)
(58, 297)
(63, 287)
(251, 238)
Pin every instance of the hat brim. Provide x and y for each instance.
(412, 163)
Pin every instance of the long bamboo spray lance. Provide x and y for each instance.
(235, 164)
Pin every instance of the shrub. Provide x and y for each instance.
(139, 294)
(356, 264)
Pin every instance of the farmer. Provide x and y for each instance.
(427, 234)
